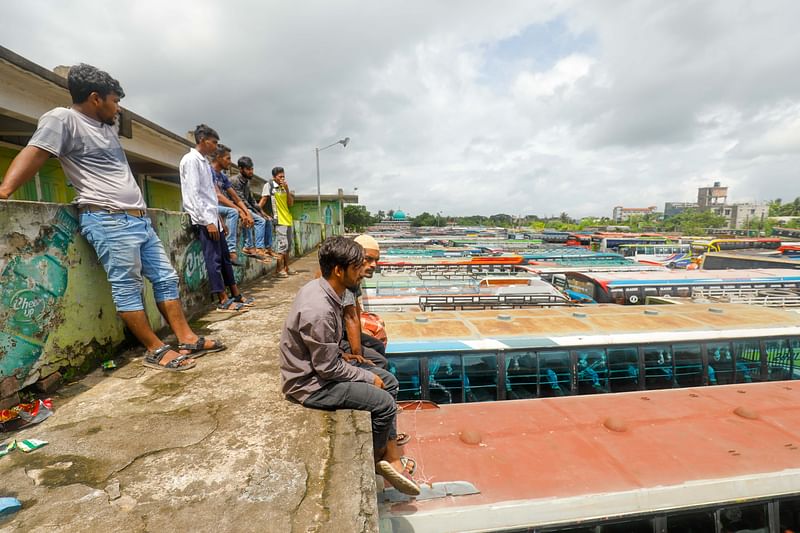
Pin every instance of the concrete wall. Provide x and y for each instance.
(56, 311)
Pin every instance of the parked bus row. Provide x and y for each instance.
(454, 357)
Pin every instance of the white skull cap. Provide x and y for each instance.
(368, 242)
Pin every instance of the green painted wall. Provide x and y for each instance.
(306, 211)
(161, 195)
(56, 311)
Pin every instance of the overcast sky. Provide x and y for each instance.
(461, 107)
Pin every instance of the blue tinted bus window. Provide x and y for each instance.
(592, 371)
(780, 363)
(555, 374)
(658, 371)
(688, 365)
(406, 370)
(744, 518)
(445, 380)
(720, 363)
(748, 361)
(521, 375)
(480, 377)
(623, 369)
(691, 522)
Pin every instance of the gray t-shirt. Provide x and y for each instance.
(92, 158)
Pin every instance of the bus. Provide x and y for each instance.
(575, 256)
(478, 356)
(635, 287)
(579, 239)
(696, 460)
(610, 242)
(394, 293)
(720, 245)
(669, 255)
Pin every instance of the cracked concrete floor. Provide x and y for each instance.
(216, 448)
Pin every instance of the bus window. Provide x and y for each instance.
(748, 361)
(406, 370)
(592, 371)
(780, 362)
(445, 380)
(744, 518)
(521, 375)
(720, 363)
(585, 287)
(623, 365)
(688, 365)
(638, 525)
(789, 512)
(794, 343)
(658, 371)
(480, 377)
(691, 522)
(555, 374)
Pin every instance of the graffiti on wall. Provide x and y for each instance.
(55, 311)
(32, 285)
(194, 266)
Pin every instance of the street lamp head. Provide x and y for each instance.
(344, 142)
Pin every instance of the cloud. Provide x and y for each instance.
(461, 107)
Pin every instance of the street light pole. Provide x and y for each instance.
(344, 142)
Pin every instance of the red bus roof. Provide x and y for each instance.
(553, 459)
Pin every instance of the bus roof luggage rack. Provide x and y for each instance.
(463, 302)
(773, 297)
(454, 269)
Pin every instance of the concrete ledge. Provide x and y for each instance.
(216, 448)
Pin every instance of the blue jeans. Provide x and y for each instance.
(128, 249)
(232, 221)
(258, 228)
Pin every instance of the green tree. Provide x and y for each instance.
(356, 217)
(424, 219)
(693, 222)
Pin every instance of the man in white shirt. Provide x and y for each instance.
(200, 201)
(112, 211)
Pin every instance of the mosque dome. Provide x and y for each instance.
(398, 215)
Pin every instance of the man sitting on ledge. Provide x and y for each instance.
(316, 373)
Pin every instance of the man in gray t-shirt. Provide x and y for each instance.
(112, 211)
(92, 157)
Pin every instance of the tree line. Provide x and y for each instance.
(689, 222)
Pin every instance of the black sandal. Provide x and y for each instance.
(247, 301)
(198, 349)
(153, 360)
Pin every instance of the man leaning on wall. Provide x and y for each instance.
(112, 211)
